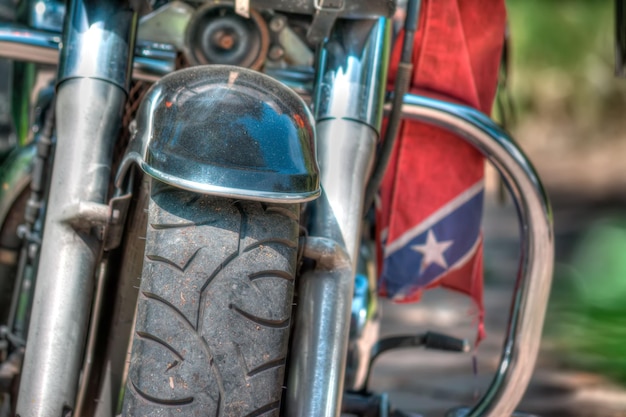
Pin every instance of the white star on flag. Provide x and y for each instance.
(432, 251)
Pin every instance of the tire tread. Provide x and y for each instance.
(214, 310)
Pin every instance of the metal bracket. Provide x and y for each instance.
(109, 218)
(87, 214)
(326, 13)
(114, 229)
(242, 8)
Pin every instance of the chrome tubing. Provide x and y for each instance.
(21, 43)
(88, 115)
(352, 82)
(348, 102)
(532, 288)
(90, 48)
(315, 385)
(345, 154)
(348, 108)
(365, 321)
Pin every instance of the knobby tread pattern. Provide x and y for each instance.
(214, 307)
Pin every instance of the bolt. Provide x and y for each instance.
(225, 41)
(277, 24)
(276, 53)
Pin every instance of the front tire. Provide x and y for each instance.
(214, 307)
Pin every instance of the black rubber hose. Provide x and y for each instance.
(403, 79)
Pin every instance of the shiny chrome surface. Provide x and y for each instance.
(348, 100)
(20, 43)
(346, 144)
(316, 372)
(365, 321)
(534, 278)
(47, 14)
(153, 60)
(300, 79)
(351, 83)
(69, 256)
(88, 115)
(90, 49)
(345, 155)
(25, 44)
(227, 131)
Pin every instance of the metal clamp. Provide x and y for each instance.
(326, 13)
(534, 278)
(328, 5)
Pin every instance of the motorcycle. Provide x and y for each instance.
(182, 216)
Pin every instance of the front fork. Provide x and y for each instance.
(348, 107)
(98, 41)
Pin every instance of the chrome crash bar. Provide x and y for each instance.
(534, 278)
(20, 43)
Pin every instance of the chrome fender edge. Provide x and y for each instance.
(226, 131)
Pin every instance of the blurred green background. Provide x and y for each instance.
(571, 113)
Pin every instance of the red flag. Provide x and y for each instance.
(430, 202)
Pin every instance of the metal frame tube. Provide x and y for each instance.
(532, 288)
(89, 104)
(315, 384)
(352, 79)
(348, 98)
(348, 102)
(21, 43)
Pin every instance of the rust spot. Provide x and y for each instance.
(299, 120)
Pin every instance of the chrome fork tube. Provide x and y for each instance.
(348, 106)
(348, 109)
(93, 76)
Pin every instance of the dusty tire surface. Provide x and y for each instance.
(214, 307)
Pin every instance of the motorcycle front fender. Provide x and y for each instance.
(226, 131)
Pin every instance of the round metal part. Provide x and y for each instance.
(218, 35)
(276, 53)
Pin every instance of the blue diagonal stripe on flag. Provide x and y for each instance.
(444, 244)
